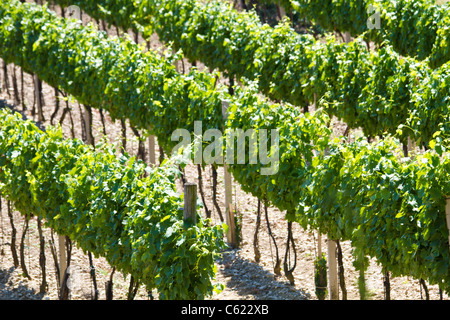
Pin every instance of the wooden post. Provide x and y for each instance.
(411, 146)
(62, 259)
(151, 148)
(38, 96)
(319, 244)
(347, 37)
(190, 202)
(5, 77)
(332, 270)
(282, 11)
(447, 213)
(87, 115)
(229, 212)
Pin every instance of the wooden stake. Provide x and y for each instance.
(22, 92)
(5, 77)
(190, 202)
(151, 148)
(229, 212)
(447, 213)
(332, 271)
(38, 97)
(88, 124)
(15, 87)
(347, 37)
(319, 245)
(282, 11)
(62, 259)
(411, 146)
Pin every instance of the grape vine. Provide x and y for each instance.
(140, 230)
(414, 28)
(377, 91)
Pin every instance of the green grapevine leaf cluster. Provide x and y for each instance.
(107, 206)
(377, 91)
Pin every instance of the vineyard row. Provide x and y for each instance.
(415, 28)
(378, 91)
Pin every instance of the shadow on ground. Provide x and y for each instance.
(249, 279)
(18, 292)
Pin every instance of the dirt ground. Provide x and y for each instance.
(243, 278)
